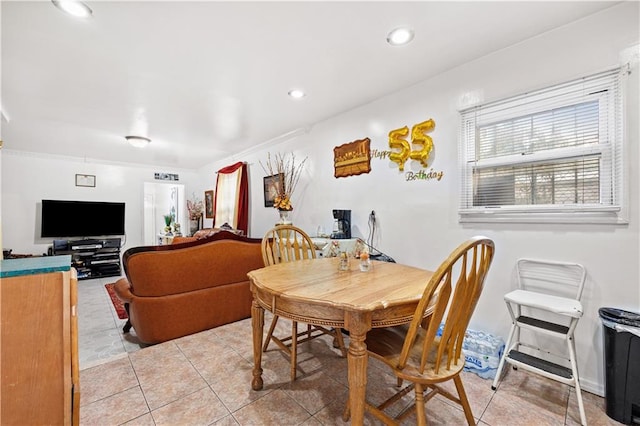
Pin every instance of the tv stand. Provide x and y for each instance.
(91, 257)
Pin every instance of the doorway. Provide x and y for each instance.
(161, 199)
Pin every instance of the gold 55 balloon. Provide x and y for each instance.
(418, 137)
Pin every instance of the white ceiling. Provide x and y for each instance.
(205, 80)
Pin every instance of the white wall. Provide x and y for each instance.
(27, 179)
(419, 220)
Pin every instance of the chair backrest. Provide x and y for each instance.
(564, 279)
(452, 295)
(286, 243)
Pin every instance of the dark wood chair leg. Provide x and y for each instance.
(127, 325)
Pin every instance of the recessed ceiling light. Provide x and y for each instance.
(297, 93)
(400, 36)
(138, 141)
(74, 8)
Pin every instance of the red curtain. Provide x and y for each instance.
(240, 215)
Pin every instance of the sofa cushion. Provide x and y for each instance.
(180, 240)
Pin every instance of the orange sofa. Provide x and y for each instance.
(179, 289)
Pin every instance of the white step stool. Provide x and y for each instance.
(547, 303)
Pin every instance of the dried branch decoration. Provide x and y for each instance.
(195, 208)
(285, 166)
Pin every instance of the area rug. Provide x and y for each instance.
(117, 303)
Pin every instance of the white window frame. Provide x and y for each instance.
(613, 167)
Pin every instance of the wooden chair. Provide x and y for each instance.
(416, 352)
(287, 243)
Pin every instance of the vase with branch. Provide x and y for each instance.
(289, 169)
(195, 207)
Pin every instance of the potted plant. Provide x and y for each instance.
(167, 221)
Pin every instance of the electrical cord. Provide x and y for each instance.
(375, 253)
(372, 229)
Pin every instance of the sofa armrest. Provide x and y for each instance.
(123, 290)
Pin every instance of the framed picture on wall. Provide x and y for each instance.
(86, 180)
(208, 204)
(272, 186)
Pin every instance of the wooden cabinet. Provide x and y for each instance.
(39, 342)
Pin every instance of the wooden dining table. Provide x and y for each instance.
(315, 292)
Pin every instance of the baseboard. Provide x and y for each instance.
(592, 387)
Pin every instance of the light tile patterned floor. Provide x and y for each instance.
(204, 379)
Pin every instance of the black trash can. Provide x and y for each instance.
(622, 364)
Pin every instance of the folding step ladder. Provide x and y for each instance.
(547, 302)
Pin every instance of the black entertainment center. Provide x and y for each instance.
(92, 258)
(96, 226)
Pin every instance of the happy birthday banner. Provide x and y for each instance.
(355, 158)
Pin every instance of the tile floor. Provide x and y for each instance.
(204, 379)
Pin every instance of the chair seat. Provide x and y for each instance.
(386, 344)
(547, 302)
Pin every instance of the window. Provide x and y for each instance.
(231, 202)
(553, 155)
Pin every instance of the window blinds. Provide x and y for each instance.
(556, 149)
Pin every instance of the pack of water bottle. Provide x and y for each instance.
(482, 352)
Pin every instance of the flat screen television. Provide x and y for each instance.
(81, 219)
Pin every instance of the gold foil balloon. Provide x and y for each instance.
(397, 141)
(418, 137)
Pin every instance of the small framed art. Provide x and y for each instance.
(86, 180)
(272, 187)
(208, 204)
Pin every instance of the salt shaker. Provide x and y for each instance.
(344, 262)
(365, 261)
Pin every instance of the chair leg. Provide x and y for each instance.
(270, 333)
(127, 325)
(421, 416)
(294, 349)
(576, 378)
(463, 400)
(340, 341)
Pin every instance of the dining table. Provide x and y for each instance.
(316, 291)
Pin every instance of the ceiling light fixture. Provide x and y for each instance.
(400, 36)
(138, 141)
(74, 8)
(296, 93)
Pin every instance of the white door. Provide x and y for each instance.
(160, 200)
